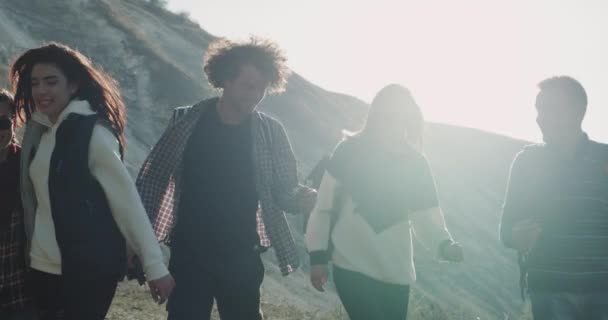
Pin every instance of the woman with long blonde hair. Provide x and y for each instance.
(378, 189)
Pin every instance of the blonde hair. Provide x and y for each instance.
(390, 98)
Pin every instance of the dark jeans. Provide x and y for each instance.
(549, 305)
(367, 299)
(233, 282)
(24, 314)
(74, 297)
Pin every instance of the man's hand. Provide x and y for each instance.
(161, 289)
(524, 235)
(318, 276)
(307, 199)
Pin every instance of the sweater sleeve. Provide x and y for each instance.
(319, 224)
(430, 228)
(426, 217)
(124, 201)
(517, 201)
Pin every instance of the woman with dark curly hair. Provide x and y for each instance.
(81, 208)
(215, 165)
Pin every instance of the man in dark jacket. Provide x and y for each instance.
(556, 209)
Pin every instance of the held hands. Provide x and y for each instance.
(307, 199)
(161, 288)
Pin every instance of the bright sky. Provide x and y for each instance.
(473, 63)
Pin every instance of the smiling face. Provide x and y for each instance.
(51, 90)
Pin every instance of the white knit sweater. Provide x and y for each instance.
(386, 256)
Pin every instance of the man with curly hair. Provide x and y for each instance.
(218, 182)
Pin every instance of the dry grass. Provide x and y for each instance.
(133, 302)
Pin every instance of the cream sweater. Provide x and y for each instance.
(386, 256)
(106, 166)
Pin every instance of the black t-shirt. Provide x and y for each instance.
(385, 186)
(217, 213)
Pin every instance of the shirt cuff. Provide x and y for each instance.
(156, 271)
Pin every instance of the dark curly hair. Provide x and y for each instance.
(8, 121)
(7, 97)
(94, 85)
(224, 59)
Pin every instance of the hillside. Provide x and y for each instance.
(156, 56)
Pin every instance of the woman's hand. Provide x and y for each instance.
(318, 276)
(161, 289)
(452, 252)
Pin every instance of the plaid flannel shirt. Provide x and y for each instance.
(275, 175)
(12, 250)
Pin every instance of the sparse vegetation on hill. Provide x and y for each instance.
(156, 56)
